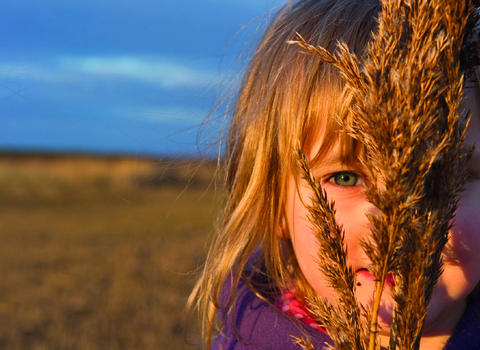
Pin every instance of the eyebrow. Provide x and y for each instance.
(330, 159)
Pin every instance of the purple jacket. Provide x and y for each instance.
(260, 325)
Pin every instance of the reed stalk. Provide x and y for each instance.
(402, 101)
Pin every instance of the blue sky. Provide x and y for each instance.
(119, 76)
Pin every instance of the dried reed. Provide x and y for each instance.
(332, 261)
(403, 103)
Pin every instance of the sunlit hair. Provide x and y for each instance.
(285, 98)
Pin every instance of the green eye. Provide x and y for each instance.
(345, 179)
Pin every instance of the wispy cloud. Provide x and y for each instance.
(165, 72)
(172, 114)
(162, 71)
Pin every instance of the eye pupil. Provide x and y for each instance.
(346, 179)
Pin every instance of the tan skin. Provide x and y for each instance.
(344, 184)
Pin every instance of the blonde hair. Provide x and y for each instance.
(284, 99)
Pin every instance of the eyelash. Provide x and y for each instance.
(359, 179)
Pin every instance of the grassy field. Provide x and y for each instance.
(100, 253)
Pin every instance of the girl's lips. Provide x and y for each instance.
(390, 280)
(368, 276)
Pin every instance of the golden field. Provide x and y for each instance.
(101, 253)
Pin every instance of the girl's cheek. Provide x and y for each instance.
(351, 214)
(461, 254)
(343, 193)
(464, 243)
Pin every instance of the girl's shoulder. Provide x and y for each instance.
(466, 335)
(255, 323)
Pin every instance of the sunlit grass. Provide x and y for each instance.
(93, 257)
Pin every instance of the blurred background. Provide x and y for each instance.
(107, 190)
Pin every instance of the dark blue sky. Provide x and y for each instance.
(114, 76)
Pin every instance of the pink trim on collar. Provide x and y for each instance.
(290, 305)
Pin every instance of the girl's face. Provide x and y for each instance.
(345, 185)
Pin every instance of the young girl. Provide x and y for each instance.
(264, 253)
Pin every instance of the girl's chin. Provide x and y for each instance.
(385, 311)
(385, 316)
(365, 295)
